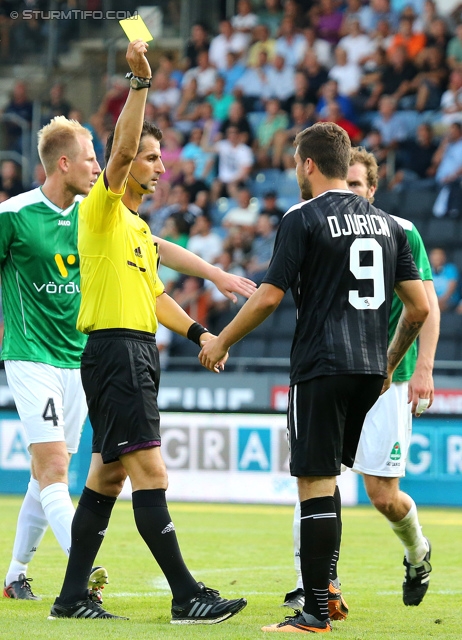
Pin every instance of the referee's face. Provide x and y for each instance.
(147, 167)
(357, 181)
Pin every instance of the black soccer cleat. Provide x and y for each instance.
(81, 609)
(295, 599)
(206, 607)
(20, 589)
(416, 579)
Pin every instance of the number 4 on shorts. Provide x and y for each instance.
(49, 412)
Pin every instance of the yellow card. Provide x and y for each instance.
(136, 29)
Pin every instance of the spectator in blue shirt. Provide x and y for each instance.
(445, 278)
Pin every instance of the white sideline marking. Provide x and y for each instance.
(153, 594)
(439, 592)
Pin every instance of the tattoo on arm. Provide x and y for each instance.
(406, 333)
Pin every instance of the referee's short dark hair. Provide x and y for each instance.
(328, 145)
(148, 129)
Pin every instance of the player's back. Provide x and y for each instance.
(342, 256)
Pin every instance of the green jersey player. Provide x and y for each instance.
(41, 345)
(40, 291)
(385, 437)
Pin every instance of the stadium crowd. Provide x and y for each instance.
(388, 71)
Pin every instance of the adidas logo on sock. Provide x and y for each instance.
(169, 527)
(102, 533)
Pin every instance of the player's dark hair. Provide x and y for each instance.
(328, 145)
(148, 129)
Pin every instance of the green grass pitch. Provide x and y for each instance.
(244, 550)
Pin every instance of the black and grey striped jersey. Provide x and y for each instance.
(341, 257)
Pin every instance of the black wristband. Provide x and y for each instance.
(195, 331)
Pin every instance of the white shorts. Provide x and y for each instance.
(50, 402)
(386, 435)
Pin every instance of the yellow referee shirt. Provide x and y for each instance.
(118, 265)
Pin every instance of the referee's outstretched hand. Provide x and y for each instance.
(229, 284)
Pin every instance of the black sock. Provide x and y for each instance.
(157, 530)
(88, 529)
(338, 511)
(318, 538)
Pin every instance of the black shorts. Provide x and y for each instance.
(120, 376)
(325, 418)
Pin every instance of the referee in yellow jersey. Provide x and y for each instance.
(122, 300)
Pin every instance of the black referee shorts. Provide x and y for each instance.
(120, 376)
(325, 418)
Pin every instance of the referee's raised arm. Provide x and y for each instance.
(129, 126)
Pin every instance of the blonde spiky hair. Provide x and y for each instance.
(59, 138)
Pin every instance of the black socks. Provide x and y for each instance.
(158, 531)
(89, 526)
(318, 543)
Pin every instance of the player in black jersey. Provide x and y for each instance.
(342, 258)
(388, 425)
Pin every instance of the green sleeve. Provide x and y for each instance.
(6, 233)
(419, 253)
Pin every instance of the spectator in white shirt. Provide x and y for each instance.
(163, 96)
(235, 162)
(244, 21)
(346, 74)
(227, 40)
(204, 74)
(321, 48)
(451, 100)
(204, 242)
(245, 215)
(358, 45)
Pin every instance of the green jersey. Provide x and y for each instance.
(39, 267)
(406, 368)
